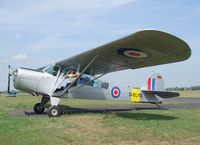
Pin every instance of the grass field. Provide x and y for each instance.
(190, 94)
(144, 127)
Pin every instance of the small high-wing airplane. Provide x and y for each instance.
(81, 73)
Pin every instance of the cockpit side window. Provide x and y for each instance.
(89, 81)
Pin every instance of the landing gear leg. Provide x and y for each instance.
(39, 107)
(54, 110)
(157, 104)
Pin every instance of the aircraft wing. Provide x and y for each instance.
(142, 49)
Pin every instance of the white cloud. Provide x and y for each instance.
(48, 42)
(20, 56)
(77, 5)
(54, 42)
(26, 10)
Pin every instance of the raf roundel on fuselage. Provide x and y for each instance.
(115, 92)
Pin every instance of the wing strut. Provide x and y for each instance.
(84, 70)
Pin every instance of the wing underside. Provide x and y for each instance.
(142, 49)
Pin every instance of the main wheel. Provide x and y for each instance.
(37, 109)
(54, 111)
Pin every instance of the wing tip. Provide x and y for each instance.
(183, 49)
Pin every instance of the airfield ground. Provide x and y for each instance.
(136, 124)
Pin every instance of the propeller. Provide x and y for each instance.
(10, 73)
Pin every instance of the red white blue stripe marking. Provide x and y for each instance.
(151, 84)
(115, 92)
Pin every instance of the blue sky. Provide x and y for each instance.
(36, 33)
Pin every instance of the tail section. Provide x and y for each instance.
(154, 82)
(152, 91)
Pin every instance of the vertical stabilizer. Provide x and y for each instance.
(154, 82)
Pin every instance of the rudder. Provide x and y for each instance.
(154, 82)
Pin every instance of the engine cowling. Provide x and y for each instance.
(33, 81)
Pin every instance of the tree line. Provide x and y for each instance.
(191, 88)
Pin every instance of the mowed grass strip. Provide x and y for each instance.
(144, 127)
(190, 94)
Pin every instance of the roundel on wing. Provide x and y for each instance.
(115, 92)
(132, 53)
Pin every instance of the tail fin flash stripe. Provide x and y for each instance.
(153, 84)
(149, 84)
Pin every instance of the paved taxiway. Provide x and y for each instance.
(173, 103)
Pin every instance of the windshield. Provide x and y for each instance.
(52, 69)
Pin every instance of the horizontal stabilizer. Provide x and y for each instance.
(163, 94)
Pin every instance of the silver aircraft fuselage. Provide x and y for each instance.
(34, 81)
(42, 83)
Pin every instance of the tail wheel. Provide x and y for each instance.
(38, 109)
(54, 111)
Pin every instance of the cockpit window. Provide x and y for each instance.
(91, 81)
(52, 69)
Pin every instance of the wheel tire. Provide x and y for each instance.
(37, 109)
(54, 111)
